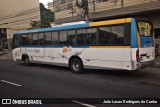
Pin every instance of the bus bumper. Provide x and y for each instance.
(142, 65)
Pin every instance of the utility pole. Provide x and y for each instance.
(85, 10)
(122, 3)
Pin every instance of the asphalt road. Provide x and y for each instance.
(45, 81)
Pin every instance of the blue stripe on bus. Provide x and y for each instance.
(54, 46)
(65, 27)
(134, 39)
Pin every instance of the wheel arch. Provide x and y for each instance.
(75, 56)
(24, 56)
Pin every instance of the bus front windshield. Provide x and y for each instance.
(16, 42)
(145, 29)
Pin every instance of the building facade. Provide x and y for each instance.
(67, 11)
(50, 6)
(16, 15)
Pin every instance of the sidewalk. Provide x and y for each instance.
(6, 54)
(157, 62)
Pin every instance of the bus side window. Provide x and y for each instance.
(117, 34)
(127, 34)
(71, 39)
(29, 39)
(91, 36)
(104, 35)
(24, 40)
(48, 38)
(81, 33)
(35, 39)
(41, 39)
(54, 39)
(63, 38)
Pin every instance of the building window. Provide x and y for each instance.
(58, 8)
(63, 1)
(98, 1)
(63, 7)
(69, 6)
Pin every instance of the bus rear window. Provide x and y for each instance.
(145, 29)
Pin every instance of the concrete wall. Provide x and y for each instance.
(119, 8)
(16, 15)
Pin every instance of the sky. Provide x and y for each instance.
(45, 1)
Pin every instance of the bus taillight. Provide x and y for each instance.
(137, 56)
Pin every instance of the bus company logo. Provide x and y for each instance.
(6, 101)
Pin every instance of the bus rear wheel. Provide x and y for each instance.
(76, 66)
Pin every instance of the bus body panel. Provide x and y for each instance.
(16, 54)
(51, 54)
(114, 58)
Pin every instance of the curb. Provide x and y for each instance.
(4, 53)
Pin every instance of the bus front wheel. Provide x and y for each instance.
(26, 61)
(76, 66)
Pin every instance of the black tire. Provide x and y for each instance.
(26, 61)
(76, 66)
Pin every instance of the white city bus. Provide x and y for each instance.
(120, 44)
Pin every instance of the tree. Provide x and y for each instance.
(35, 24)
(46, 18)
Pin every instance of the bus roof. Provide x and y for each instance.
(59, 27)
(76, 25)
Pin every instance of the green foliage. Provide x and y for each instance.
(46, 18)
(35, 24)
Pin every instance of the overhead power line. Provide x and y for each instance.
(20, 14)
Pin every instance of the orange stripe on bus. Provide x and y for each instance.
(111, 22)
(109, 46)
(139, 42)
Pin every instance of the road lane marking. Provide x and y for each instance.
(84, 104)
(11, 83)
